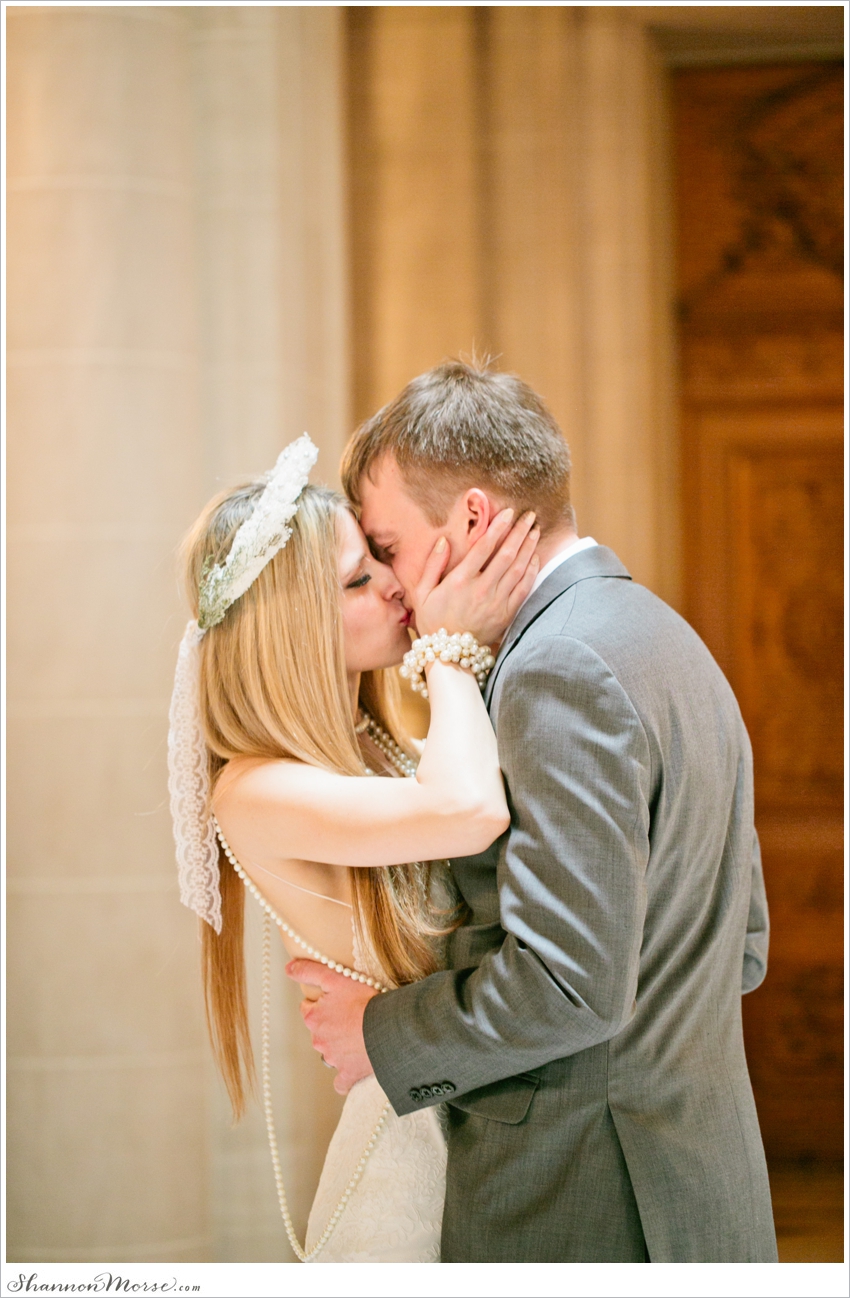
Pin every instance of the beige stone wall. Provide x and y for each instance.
(176, 312)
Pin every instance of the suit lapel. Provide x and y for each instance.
(597, 561)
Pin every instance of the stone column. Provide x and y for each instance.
(415, 187)
(270, 201)
(578, 289)
(177, 311)
(108, 1148)
(628, 474)
(270, 198)
(531, 231)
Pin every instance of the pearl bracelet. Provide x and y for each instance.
(461, 648)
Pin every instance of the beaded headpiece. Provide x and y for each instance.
(256, 542)
(260, 536)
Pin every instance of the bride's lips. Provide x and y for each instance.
(407, 618)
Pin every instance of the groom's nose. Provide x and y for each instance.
(393, 588)
(406, 587)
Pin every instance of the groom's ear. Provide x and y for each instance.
(478, 512)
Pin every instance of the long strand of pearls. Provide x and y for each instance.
(407, 767)
(461, 648)
(310, 951)
(270, 1127)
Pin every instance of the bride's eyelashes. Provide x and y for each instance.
(359, 581)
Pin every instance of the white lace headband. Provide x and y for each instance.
(256, 542)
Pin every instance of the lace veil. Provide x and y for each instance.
(256, 542)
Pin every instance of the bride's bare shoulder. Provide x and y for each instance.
(252, 777)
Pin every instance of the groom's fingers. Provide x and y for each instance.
(312, 974)
(434, 568)
(481, 554)
(522, 589)
(517, 568)
(499, 552)
(511, 559)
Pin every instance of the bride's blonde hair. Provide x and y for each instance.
(273, 684)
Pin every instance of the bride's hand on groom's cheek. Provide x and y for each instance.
(335, 1020)
(483, 592)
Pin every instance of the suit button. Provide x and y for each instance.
(415, 1095)
(448, 1088)
(426, 1092)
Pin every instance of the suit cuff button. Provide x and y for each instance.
(415, 1095)
(448, 1088)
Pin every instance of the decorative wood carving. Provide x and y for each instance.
(788, 175)
(761, 194)
(741, 365)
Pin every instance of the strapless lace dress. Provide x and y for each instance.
(395, 1212)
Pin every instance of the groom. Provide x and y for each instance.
(587, 1032)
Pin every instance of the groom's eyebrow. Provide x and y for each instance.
(380, 539)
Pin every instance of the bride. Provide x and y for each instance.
(282, 716)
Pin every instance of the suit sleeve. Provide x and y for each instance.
(571, 891)
(758, 928)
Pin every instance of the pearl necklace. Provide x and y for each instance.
(310, 951)
(387, 745)
(405, 766)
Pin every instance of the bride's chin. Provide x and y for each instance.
(393, 657)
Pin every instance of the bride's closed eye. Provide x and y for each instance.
(359, 581)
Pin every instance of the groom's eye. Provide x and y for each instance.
(382, 553)
(359, 581)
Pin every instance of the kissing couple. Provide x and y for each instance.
(523, 944)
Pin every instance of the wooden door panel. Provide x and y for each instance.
(759, 197)
(786, 619)
(768, 601)
(723, 444)
(794, 1027)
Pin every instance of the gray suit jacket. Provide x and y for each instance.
(587, 1034)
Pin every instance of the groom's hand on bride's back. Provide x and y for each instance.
(335, 1020)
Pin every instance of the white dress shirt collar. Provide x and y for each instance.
(561, 557)
(555, 562)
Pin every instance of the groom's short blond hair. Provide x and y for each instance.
(459, 426)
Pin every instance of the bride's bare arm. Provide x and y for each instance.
(455, 806)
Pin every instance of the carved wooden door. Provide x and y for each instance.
(759, 190)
